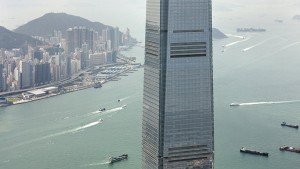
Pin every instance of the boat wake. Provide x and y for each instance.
(85, 126)
(258, 44)
(288, 46)
(97, 164)
(71, 131)
(236, 42)
(108, 111)
(259, 103)
(120, 100)
(236, 36)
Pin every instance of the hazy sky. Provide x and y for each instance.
(131, 13)
(122, 13)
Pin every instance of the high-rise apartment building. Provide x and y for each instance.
(84, 56)
(1, 77)
(42, 74)
(178, 122)
(116, 38)
(26, 71)
(77, 36)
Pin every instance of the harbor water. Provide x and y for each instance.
(260, 71)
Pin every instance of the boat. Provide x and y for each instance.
(234, 104)
(124, 106)
(290, 125)
(244, 150)
(100, 120)
(119, 100)
(97, 85)
(102, 109)
(119, 158)
(288, 148)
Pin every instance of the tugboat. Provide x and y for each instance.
(291, 149)
(119, 158)
(244, 150)
(290, 125)
(102, 109)
(234, 104)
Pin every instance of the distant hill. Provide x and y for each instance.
(45, 25)
(217, 34)
(296, 18)
(10, 40)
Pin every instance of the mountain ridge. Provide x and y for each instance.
(10, 39)
(46, 24)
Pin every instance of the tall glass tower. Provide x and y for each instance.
(178, 121)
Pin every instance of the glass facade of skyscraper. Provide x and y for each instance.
(178, 120)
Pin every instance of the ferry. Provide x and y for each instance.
(290, 125)
(291, 149)
(119, 158)
(244, 150)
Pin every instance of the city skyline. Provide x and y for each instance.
(133, 12)
(178, 122)
(100, 11)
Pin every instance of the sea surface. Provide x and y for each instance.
(258, 70)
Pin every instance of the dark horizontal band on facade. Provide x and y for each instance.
(198, 150)
(188, 47)
(188, 52)
(187, 147)
(188, 31)
(187, 159)
(188, 44)
(185, 56)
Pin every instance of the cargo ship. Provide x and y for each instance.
(290, 125)
(119, 158)
(244, 150)
(288, 148)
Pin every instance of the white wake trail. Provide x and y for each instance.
(288, 46)
(269, 102)
(251, 47)
(236, 36)
(236, 42)
(124, 98)
(97, 164)
(55, 134)
(108, 111)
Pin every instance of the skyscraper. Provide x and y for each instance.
(178, 122)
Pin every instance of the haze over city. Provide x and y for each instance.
(132, 13)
